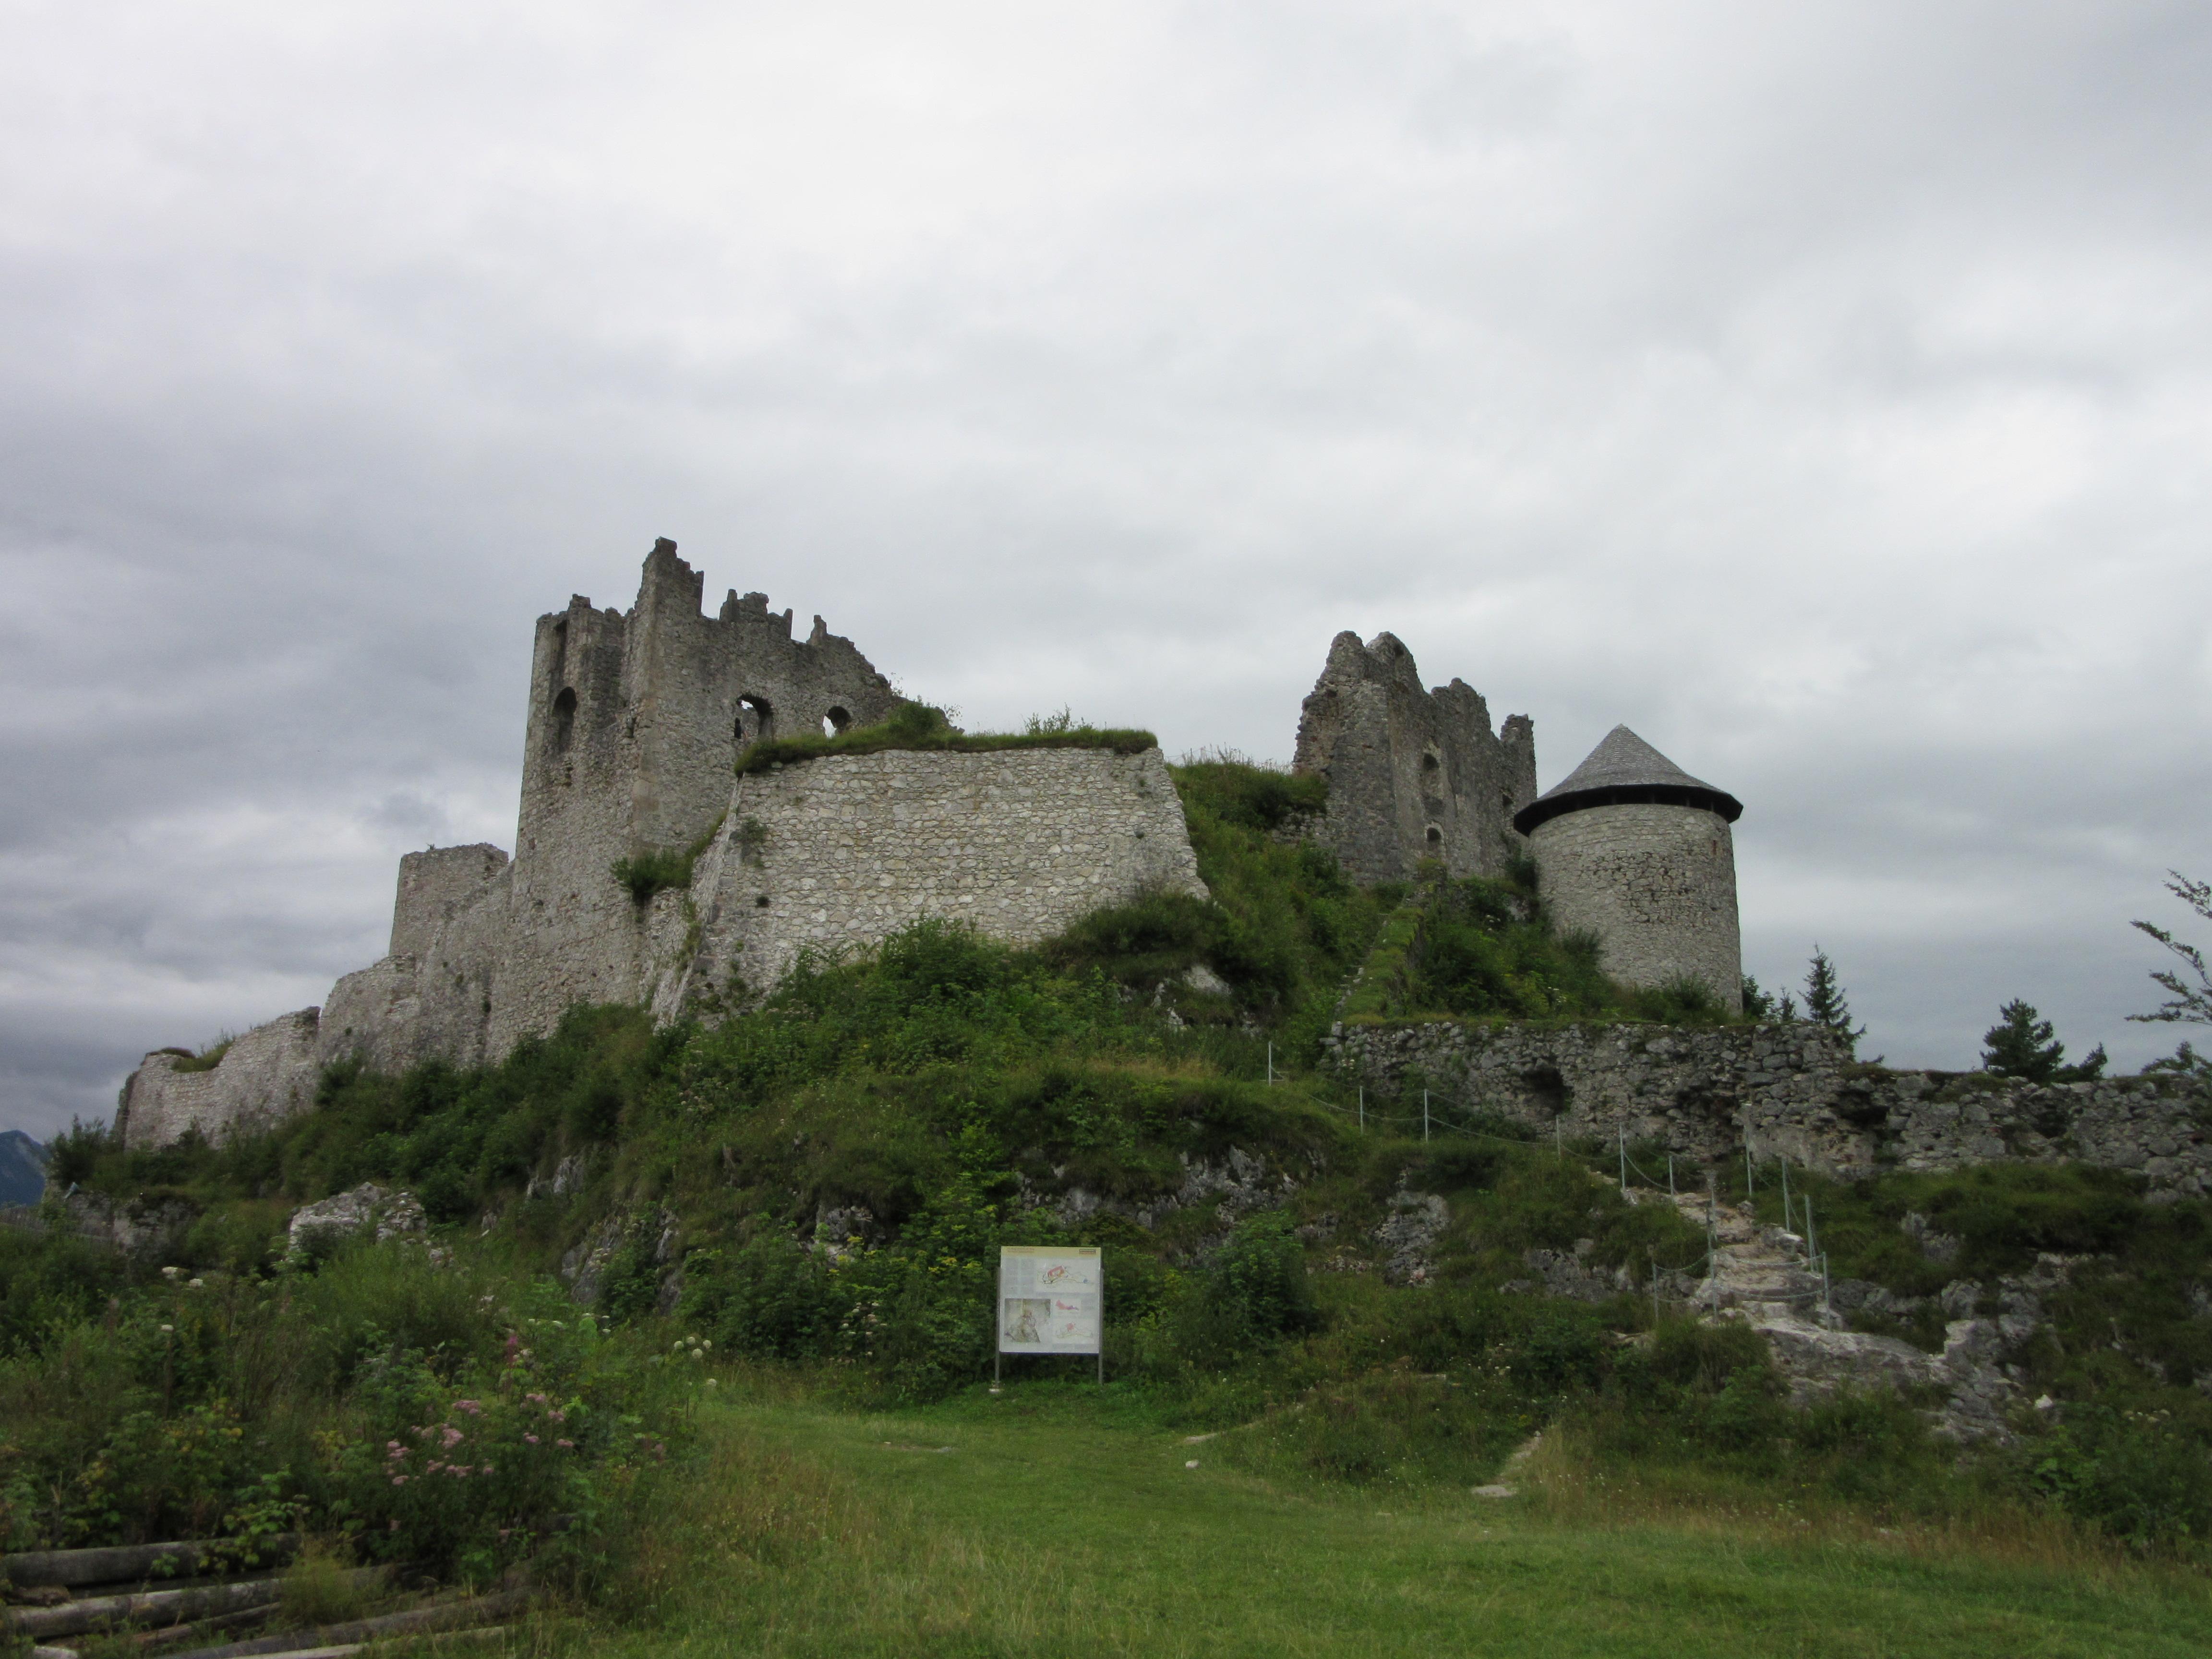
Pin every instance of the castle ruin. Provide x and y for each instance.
(1413, 775)
(636, 722)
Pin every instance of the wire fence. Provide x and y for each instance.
(1431, 1119)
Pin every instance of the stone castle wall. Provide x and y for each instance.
(1657, 883)
(1413, 774)
(1786, 1091)
(266, 1075)
(833, 854)
(433, 886)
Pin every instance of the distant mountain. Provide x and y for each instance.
(22, 1168)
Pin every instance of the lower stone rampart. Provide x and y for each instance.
(830, 855)
(1786, 1090)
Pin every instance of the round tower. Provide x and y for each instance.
(1634, 850)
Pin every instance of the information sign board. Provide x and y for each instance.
(1052, 1299)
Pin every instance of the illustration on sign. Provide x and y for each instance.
(1051, 1299)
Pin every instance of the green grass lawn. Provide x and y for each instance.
(1054, 1520)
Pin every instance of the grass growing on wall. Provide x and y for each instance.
(207, 1059)
(659, 869)
(919, 726)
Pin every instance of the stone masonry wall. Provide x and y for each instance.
(433, 886)
(265, 1075)
(834, 853)
(1789, 1091)
(1656, 885)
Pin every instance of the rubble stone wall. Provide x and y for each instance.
(1785, 1090)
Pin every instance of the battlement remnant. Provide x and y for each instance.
(1413, 774)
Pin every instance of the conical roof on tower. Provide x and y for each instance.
(1623, 769)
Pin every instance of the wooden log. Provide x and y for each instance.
(202, 1631)
(416, 1621)
(156, 1606)
(135, 1563)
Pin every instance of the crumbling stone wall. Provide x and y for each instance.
(1656, 884)
(433, 886)
(834, 853)
(266, 1075)
(1412, 775)
(1789, 1091)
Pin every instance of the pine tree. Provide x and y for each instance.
(2023, 1044)
(1824, 1002)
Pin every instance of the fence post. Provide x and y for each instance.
(1623, 1132)
(1712, 1241)
(1271, 1065)
(1671, 1174)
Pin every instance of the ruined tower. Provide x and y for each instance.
(1634, 850)
(1412, 775)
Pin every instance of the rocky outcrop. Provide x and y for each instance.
(1409, 1235)
(368, 1209)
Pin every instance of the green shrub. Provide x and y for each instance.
(2131, 1473)
(770, 1297)
(660, 868)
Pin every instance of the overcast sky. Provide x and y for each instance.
(1823, 390)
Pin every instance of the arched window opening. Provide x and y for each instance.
(1435, 836)
(564, 719)
(756, 720)
(835, 722)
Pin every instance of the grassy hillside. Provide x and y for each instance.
(788, 1228)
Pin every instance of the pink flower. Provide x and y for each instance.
(535, 1399)
(399, 1480)
(556, 1416)
(487, 1469)
(452, 1436)
(566, 1445)
(531, 1438)
(473, 1407)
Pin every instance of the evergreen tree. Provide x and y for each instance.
(2023, 1044)
(1757, 1003)
(1824, 1002)
(2185, 1002)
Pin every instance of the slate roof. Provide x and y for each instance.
(1621, 770)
